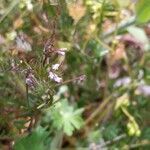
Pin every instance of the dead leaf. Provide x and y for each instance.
(76, 11)
(2, 39)
(18, 23)
(119, 53)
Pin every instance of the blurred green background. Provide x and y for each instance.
(92, 91)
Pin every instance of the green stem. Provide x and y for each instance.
(122, 25)
(11, 7)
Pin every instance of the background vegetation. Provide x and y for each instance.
(74, 74)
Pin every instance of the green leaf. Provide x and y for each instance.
(96, 48)
(143, 11)
(65, 117)
(146, 133)
(111, 131)
(50, 9)
(35, 141)
(56, 141)
(95, 136)
(77, 122)
(68, 128)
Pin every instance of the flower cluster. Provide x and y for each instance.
(53, 76)
(51, 71)
(30, 80)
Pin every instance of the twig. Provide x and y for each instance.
(38, 23)
(5, 138)
(136, 145)
(30, 125)
(116, 139)
(27, 95)
(96, 112)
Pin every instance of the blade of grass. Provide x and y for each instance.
(10, 8)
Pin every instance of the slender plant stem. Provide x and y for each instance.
(122, 25)
(134, 146)
(116, 139)
(13, 4)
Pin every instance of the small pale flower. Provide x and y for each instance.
(14, 66)
(31, 80)
(125, 81)
(143, 90)
(29, 5)
(81, 79)
(54, 77)
(55, 66)
(61, 53)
